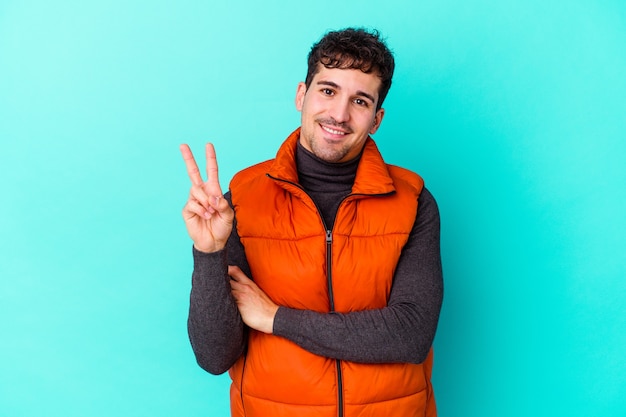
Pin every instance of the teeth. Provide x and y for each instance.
(333, 131)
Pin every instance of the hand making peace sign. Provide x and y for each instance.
(207, 215)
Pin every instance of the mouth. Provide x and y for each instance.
(333, 131)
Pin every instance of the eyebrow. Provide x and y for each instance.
(358, 93)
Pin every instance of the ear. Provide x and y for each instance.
(378, 119)
(300, 93)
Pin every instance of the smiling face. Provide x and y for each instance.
(338, 112)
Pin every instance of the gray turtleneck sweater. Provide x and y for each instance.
(403, 331)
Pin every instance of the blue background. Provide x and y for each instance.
(512, 111)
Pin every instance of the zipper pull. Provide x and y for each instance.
(329, 236)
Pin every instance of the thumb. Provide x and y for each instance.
(237, 274)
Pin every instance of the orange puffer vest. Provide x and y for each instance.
(291, 259)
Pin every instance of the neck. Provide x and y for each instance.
(327, 183)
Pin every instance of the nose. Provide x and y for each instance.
(340, 110)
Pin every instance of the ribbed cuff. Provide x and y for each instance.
(287, 323)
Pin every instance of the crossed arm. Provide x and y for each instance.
(223, 298)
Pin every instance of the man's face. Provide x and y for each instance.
(338, 112)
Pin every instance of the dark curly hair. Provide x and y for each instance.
(354, 48)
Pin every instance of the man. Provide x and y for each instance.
(317, 278)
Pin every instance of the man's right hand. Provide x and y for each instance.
(207, 214)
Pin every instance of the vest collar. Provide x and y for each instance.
(372, 175)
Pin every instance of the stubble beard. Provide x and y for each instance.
(327, 152)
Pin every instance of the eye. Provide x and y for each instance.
(360, 102)
(327, 91)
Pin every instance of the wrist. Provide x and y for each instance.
(208, 249)
(270, 320)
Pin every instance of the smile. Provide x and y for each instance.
(332, 131)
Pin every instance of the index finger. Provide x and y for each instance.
(190, 163)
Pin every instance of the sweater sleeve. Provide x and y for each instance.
(404, 330)
(216, 330)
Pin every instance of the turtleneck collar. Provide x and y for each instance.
(317, 175)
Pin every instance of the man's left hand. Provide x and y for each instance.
(256, 308)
